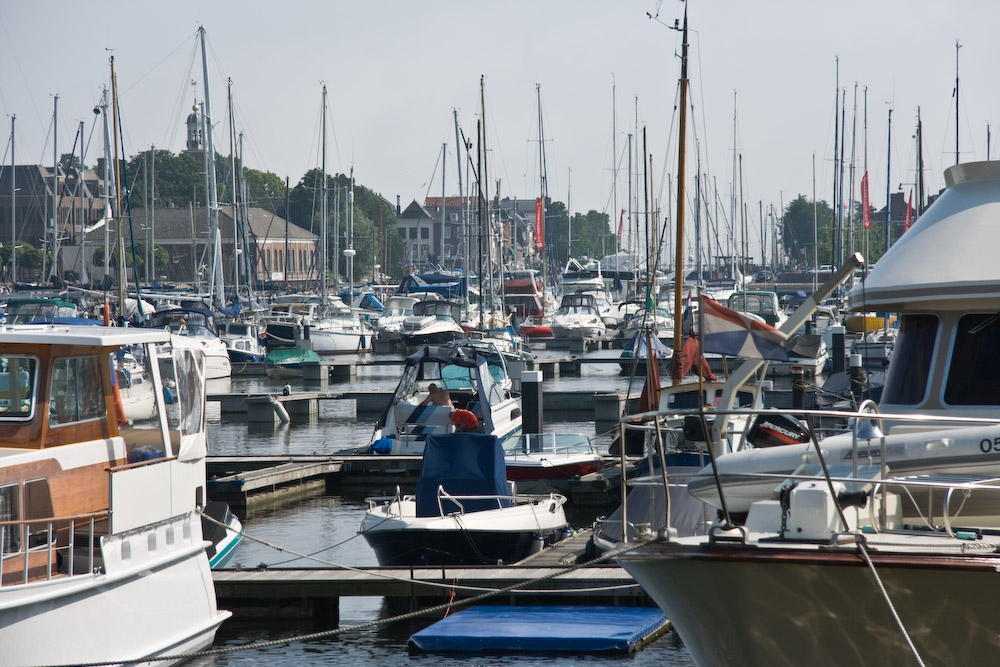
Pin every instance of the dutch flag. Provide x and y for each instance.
(734, 334)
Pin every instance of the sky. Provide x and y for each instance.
(397, 71)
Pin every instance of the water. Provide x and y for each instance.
(326, 528)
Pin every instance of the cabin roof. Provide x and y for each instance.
(946, 259)
(62, 334)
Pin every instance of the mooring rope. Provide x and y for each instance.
(449, 605)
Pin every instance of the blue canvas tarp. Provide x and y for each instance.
(541, 629)
(465, 464)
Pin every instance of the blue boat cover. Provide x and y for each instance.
(465, 464)
(537, 629)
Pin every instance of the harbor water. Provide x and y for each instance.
(325, 527)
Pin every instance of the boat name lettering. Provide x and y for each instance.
(890, 450)
(987, 445)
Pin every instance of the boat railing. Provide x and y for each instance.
(866, 414)
(40, 549)
(519, 499)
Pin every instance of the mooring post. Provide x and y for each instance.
(837, 331)
(531, 402)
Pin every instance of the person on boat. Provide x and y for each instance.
(437, 396)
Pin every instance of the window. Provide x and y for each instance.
(906, 383)
(10, 510)
(447, 232)
(38, 505)
(972, 374)
(77, 391)
(413, 232)
(17, 398)
(425, 232)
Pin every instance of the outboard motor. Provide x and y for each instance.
(773, 429)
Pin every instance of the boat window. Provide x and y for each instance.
(975, 365)
(17, 398)
(909, 371)
(10, 510)
(38, 505)
(77, 392)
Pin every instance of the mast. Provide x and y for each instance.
(850, 194)
(920, 164)
(216, 291)
(81, 255)
(888, 197)
(107, 194)
(836, 138)
(461, 202)
(957, 47)
(679, 260)
(13, 208)
(152, 210)
(444, 158)
(840, 191)
(233, 205)
(542, 187)
(55, 189)
(484, 185)
(322, 204)
(120, 243)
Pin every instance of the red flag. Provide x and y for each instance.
(539, 223)
(909, 215)
(618, 235)
(865, 214)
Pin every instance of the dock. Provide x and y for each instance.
(316, 592)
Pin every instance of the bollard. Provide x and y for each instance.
(858, 379)
(838, 333)
(531, 402)
(798, 387)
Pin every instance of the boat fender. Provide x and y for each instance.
(280, 410)
(537, 543)
(856, 499)
(381, 446)
(119, 406)
(464, 419)
(168, 396)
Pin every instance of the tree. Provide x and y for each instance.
(68, 162)
(797, 226)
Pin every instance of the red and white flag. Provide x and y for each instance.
(618, 235)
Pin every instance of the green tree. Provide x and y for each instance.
(68, 161)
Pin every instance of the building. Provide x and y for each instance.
(445, 231)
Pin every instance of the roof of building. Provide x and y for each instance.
(174, 225)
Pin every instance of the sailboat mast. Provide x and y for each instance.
(118, 195)
(461, 203)
(540, 224)
(836, 138)
(216, 289)
(55, 188)
(888, 177)
(13, 208)
(322, 205)
(232, 191)
(682, 129)
(920, 164)
(957, 47)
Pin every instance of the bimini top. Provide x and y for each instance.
(948, 258)
(455, 355)
(62, 334)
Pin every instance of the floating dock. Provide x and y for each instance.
(538, 629)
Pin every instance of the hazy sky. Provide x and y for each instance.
(396, 70)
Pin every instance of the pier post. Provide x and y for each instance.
(570, 367)
(798, 387)
(343, 373)
(838, 331)
(858, 379)
(315, 372)
(607, 410)
(532, 407)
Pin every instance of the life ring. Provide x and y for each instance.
(464, 419)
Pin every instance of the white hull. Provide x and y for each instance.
(160, 601)
(338, 342)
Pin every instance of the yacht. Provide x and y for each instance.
(102, 541)
(193, 328)
(326, 326)
(433, 322)
(578, 318)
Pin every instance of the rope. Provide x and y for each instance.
(888, 602)
(446, 606)
(386, 575)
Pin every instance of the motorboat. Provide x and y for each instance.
(550, 458)
(432, 323)
(286, 362)
(463, 511)
(22, 310)
(223, 530)
(523, 294)
(390, 321)
(102, 538)
(325, 325)
(475, 383)
(244, 342)
(577, 318)
(194, 328)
